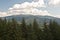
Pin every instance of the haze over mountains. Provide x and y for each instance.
(29, 18)
(35, 13)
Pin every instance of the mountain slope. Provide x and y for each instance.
(30, 18)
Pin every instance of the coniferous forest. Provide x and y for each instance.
(12, 30)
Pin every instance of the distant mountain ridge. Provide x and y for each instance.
(30, 18)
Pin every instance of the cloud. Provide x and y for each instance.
(29, 8)
(37, 4)
(29, 11)
(3, 14)
(25, 12)
(58, 16)
(55, 3)
(26, 8)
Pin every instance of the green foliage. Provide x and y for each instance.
(12, 30)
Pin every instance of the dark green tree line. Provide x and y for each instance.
(12, 30)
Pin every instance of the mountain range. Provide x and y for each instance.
(29, 18)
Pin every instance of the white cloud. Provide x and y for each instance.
(27, 8)
(37, 4)
(2, 14)
(55, 3)
(30, 11)
(57, 16)
(35, 0)
(24, 8)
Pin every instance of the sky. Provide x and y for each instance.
(31, 7)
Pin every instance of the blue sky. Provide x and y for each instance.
(5, 4)
(52, 8)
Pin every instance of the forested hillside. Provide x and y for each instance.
(12, 30)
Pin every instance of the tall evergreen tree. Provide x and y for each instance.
(24, 29)
(54, 30)
(36, 30)
(47, 33)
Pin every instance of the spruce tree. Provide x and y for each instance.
(36, 30)
(47, 33)
(24, 29)
(54, 28)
